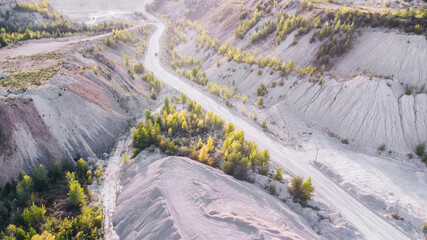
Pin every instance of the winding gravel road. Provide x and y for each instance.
(371, 225)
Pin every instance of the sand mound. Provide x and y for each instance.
(175, 198)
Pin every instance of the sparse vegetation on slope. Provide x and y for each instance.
(266, 30)
(247, 24)
(42, 8)
(287, 23)
(18, 78)
(120, 35)
(108, 26)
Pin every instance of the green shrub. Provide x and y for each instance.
(99, 173)
(262, 90)
(420, 149)
(75, 194)
(81, 171)
(139, 68)
(260, 101)
(55, 170)
(40, 178)
(272, 189)
(264, 125)
(25, 187)
(95, 69)
(183, 98)
(382, 148)
(279, 174)
(301, 190)
(67, 164)
(244, 99)
(33, 215)
(344, 141)
(203, 155)
(409, 90)
(263, 169)
(131, 73)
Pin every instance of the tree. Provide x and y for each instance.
(44, 236)
(260, 101)
(75, 194)
(147, 114)
(166, 105)
(99, 173)
(183, 98)
(278, 175)
(81, 170)
(40, 178)
(307, 189)
(3, 42)
(184, 126)
(55, 170)
(109, 41)
(67, 164)
(199, 143)
(203, 155)
(139, 68)
(229, 128)
(34, 215)
(296, 187)
(301, 190)
(244, 99)
(261, 91)
(264, 125)
(210, 144)
(25, 187)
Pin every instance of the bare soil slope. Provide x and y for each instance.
(77, 113)
(174, 198)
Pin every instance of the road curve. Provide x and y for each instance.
(371, 225)
(45, 45)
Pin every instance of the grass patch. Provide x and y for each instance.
(20, 79)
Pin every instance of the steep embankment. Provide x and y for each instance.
(364, 98)
(174, 198)
(79, 112)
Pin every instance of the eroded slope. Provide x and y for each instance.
(174, 198)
